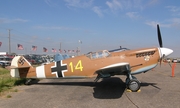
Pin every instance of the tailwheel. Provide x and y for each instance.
(134, 85)
(28, 82)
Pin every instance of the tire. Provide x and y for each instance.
(134, 85)
(127, 80)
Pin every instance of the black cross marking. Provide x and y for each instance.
(21, 61)
(59, 68)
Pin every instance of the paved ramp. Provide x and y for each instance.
(158, 90)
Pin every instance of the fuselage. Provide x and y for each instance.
(140, 60)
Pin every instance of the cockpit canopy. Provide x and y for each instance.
(99, 54)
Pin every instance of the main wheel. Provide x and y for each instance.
(127, 80)
(134, 85)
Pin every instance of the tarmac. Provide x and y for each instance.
(158, 90)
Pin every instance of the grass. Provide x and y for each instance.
(7, 82)
(8, 96)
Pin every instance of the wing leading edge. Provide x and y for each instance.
(114, 69)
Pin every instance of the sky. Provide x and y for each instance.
(90, 25)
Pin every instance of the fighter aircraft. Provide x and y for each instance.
(100, 64)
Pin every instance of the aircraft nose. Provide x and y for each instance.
(165, 51)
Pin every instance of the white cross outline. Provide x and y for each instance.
(55, 72)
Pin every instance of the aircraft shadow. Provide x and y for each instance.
(91, 84)
(108, 88)
(143, 84)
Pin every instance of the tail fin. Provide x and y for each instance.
(18, 62)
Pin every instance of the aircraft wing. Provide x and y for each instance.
(113, 69)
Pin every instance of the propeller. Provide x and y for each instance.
(162, 58)
(160, 41)
(169, 64)
(159, 36)
(164, 51)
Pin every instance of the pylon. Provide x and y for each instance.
(173, 68)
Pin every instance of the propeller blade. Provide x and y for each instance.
(162, 59)
(169, 64)
(159, 36)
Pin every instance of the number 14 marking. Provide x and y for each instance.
(77, 67)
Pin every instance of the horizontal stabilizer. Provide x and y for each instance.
(15, 67)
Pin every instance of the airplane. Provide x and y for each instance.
(100, 64)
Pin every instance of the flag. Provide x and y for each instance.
(34, 48)
(69, 51)
(0, 44)
(73, 51)
(80, 41)
(77, 51)
(60, 51)
(44, 49)
(20, 47)
(53, 50)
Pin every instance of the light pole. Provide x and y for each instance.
(9, 30)
(79, 49)
(60, 48)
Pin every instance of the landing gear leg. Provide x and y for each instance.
(132, 83)
(97, 78)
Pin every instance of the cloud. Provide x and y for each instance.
(55, 28)
(98, 11)
(50, 3)
(79, 3)
(171, 22)
(114, 5)
(175, 10)
(152, 2)
(133, 15)
(18, 20)
(154, 24)
(175, 22)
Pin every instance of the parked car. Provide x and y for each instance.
(176, 60)
(167, 60)
(29, 59)
(2, 65)
(6, 60)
